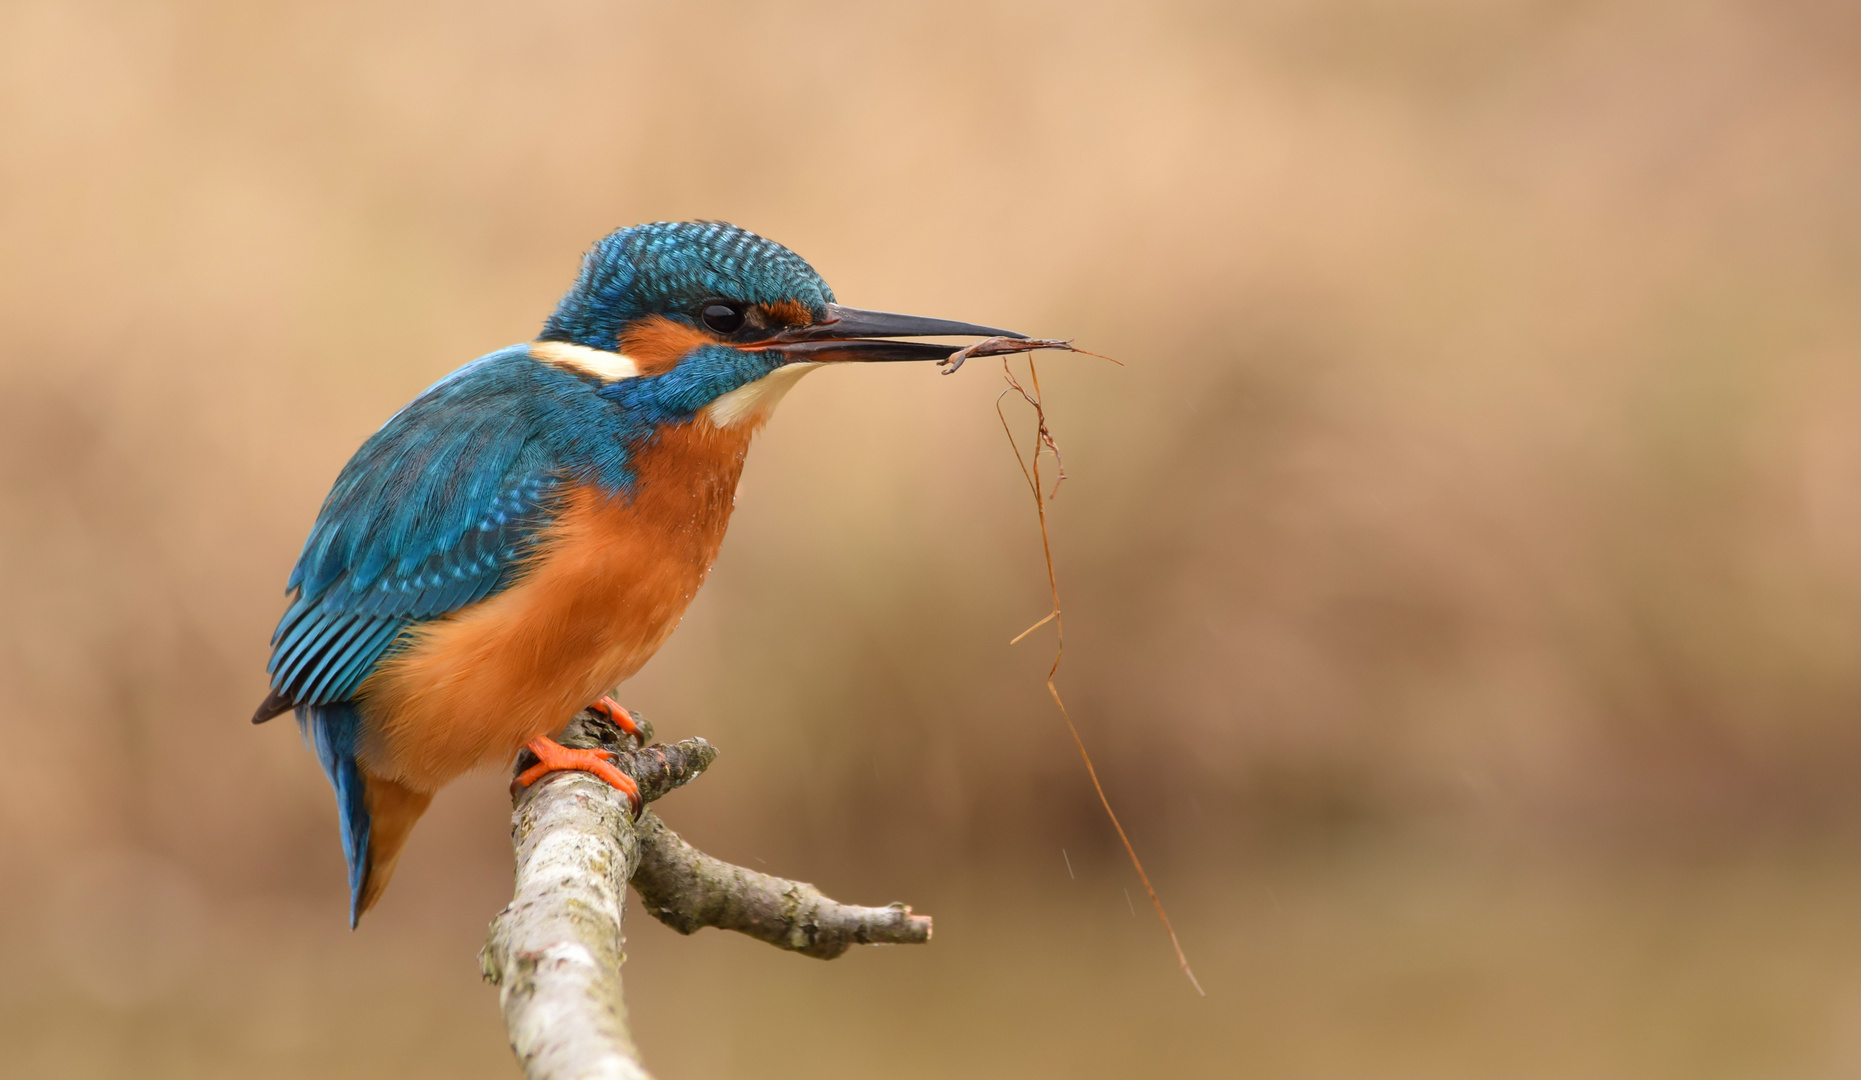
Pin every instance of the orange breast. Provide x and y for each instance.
(609, 582)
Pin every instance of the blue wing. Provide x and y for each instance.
(436, 511)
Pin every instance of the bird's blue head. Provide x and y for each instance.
(682, 316)
(669, 269)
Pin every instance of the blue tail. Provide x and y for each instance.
(332, 731)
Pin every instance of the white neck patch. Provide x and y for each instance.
(754, 402)
(606, 366)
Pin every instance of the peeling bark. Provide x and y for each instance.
(555, 952)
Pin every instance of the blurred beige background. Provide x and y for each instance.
(1463, 574)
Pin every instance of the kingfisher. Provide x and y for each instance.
(523, 536)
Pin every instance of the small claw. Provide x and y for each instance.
(552, 756)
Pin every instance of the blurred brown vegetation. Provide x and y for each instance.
(1463, 576)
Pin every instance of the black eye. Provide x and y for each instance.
(723, 316)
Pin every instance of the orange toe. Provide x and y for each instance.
(552, 756)
(622, 719)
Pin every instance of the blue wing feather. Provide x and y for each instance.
(349, 629)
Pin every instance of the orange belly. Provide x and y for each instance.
(609, 582)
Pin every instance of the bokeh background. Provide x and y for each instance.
(1463, 573)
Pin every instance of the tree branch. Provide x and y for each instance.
(688, 890)
(555, 952)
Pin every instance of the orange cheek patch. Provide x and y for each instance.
(789, 313)
(656, 344)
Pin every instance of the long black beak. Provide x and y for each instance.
(849, 334)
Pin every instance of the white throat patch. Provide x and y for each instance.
(606, 366)
(754, 402)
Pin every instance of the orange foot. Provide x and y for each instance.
(552, 756)
(621, 718)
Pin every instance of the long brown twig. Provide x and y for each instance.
(1030, 471)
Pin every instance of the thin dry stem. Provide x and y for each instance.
(1008, 346)
(1043, 438)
